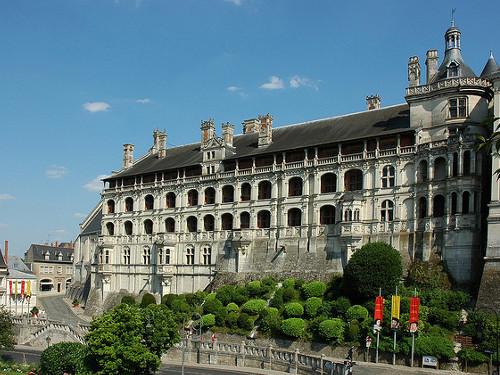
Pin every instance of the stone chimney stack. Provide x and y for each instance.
(6, 255)
(432, 64)
(128, 155)
(251, 126)
(207, 131)
(265, 130)
(413, 71)
(373, 102)
(159, 143)
(228, 133)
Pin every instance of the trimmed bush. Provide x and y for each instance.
(148, 299)
(195, 299)
(254, 306)
(277, 300)
(356, 312)
(208, 320)
(63, 357)
(232, 320)
(226, 293)
(314, 289)
(290, 294)
(212, 306)
(437, 346)
(288, 283)
(232, 307)
(293, 327)
(167, 299)
(341, 305)
(128, 300)
(254, 288)
(270, 320)
(246, 322)
(294, 310)
(312, 306)
(332, 330)
(210, 297)
(353, 331)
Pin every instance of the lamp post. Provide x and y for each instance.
(497, 372)
(48, 341)
(200, 323)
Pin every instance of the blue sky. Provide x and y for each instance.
(79, 78)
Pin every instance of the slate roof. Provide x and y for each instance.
(36, 253)
(490, 67)
(453, 55)
(16, 263)
(94, 226)
(2, 261)
(16, 274)
(374, 123)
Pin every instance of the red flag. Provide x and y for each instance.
(10, 287)
(379, 308)
(414, 305)
(22, 287)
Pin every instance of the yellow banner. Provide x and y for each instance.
(395, 308)
(15, 288)
(28, 288)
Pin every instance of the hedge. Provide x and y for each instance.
(208, 320)
(293, 327)
(312, 306)
(288, 283)
(290, 294)
(332, 330)
(271, 319)
(254, 288)
(232, 307)
(63, 357)
(148, 299)
(129, 300)
(314, 289)
(294, 310)
(357, 312)
(254, 306)
(232, 320)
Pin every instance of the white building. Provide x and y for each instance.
(301, 198)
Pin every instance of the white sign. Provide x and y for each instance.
(428, 360)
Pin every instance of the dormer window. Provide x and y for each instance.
(59, 256)
(47, 255)
(458, 107)
(453, 70)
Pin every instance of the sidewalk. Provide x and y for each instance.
(243, 370)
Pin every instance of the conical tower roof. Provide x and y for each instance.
(490, 67)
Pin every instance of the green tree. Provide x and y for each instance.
(6, 329)
(129, 340)
(436, 345)
(312, 306)
(148, 299)
(357, 312)
(294, 309)
(293, 327)
(363, 276)
(332, 330)
(314, 289)
(63, 357)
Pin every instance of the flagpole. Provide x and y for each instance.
(378, 331)
(413, 338)
(394, 345)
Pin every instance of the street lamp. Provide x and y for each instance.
(200, 323)
(48, 341)
(497, 335)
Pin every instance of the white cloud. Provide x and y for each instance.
(233, 88)
(3, 225)
(143, 101)
(96, 184)
(94, 107)
(297, 81)
(235, 2)
(56, 171)
(78, 215)
(275, 83)
(6, 197)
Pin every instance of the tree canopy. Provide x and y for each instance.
(6, 329)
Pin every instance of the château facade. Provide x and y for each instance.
(301, 198)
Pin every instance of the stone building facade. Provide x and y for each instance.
(301, 198)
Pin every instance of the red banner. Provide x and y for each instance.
(22, 287)
(10, 287)
(414, 305)
(379, 308)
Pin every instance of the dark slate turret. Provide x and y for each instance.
(490, 67)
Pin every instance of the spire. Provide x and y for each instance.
(490, 67)
(453, 17)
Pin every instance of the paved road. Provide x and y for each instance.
(176, 369)
(57, 309)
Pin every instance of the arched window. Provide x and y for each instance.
(128, 228)
(227, 221)
(294, 187)
(453, 203)
(465, 202)
(209, 195)
(111, 206)
(171, 200)
(126, 255)
(170, 225)
(264, 190)
(46, 285)
(329, 183)
(438, 206)
(440, 169)
(453, 70)
(422, 208)
(454, 168)
(146, 255)
(167, 256)
(348, 214)
(207, 255)
(294, 217)
(356, 214)
(467, 163)
(129, 204)
(353, 180)
(190, 255)
(263, 219)
(327, 215)
(209, 223)
(227, 194)
(388, 176)
(148, 226)
(387, 211)
(149, 202)
(422, 171)
(246, 192)
(244, 220)
(110, 227)
(192, 197)
(192, 224)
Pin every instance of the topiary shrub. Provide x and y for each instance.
(270, 320)
(312, 306)
(332, 330)
(437, 346)
(254, 288)
(63, 357)
(353, 331)
(290, 294)
(212, 306)
(293, 327)
(128, 300)
(288, 283)
(148, 299)
(246, 322)
(277, 300)
(254, 306)
(356, 312)
(208, 320)
(232, 307)
(341, 305)
(167, 299)
(226, 294)
(313, 289)
(294, 310)
(195, 299)
(362, 275)
(232, 320)
(210, 297)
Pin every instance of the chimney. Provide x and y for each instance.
(432, 64)
(159, 143)
(373, 102)
(228, 133)
(265, 130)
(207, 131)
(251, 126)
(6, 255)
(413, 71)
(128, 155)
